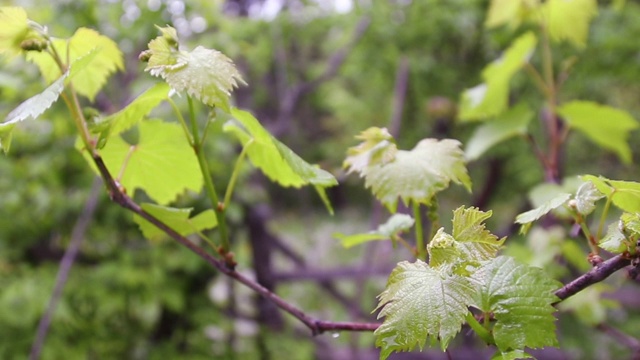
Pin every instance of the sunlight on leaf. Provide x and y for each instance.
(93, 75)
(417, 175)
(509, 12)
(14, 29)
(490, 98)
(606, 126)
(162, 164)
(396, 224)
(509, 124)
(420, 302)
(569, 19)
(521, 298)
(177, 219)
(30, 108)
(206, 74)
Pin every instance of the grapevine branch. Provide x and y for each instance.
(315, 325)
(595, 275)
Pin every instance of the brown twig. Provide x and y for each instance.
(77, 235)
(595, 275)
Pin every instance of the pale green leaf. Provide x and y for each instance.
(615, 240)
(569, 19)
(468, 228)
(521, 298)
(444, 251)
(417, 175)
(176, 219)
(30, 108)
(276, 161)
(378, 148)
(623, 194)
(134, 112)
(420, 302)
(94, 73)
(606, 126)
(586, 198)
(206, 74)
(512, 123)
(631, 224)
(532, 215)
(490, 98)
(162, 163)
(396, 224)
(509, 12)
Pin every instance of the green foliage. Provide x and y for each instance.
(206, 74)
(586, 197)
(606, 126)
(623, 194)
(490, 98)
(177, 219)
(569, 20)
(530, 216)
(396, 224)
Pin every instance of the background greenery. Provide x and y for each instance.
(130, 298)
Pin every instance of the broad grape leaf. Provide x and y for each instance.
(396, 224)
(378, 147)
(526, 218)
(490, 98)
(623, 194)
(586, 198)
(569, 19)
(606, 126)
(177, 219)
(509, 124)
(94, 74)
(30, 108)
(206, 74)
(134, 112)
(421, 302)
(521, 298)
(162, 163)
(417, 175)
(615, 241)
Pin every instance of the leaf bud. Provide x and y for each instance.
(33, 44)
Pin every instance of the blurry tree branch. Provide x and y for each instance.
(77, 235)
(595, 275)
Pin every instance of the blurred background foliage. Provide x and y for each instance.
(319, 72)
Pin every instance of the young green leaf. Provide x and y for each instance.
(378, 148)
(521, 298)
(421, 302)
(490, 98)
(417, 175)
(92, 75)
(507, 125)
(177, 219)
(277, 161)
(569, 20)
(631, 224)
(162, 164)
(206, 74)
(30, 108)
(606, 126)
(396, 224)
(526, 218)
(623, 194)
(586, 198)
(134, 112)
